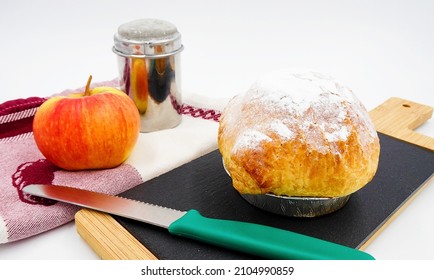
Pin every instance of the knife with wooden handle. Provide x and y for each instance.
(260, 240)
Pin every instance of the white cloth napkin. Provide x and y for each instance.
(161, 151)
(155, 153)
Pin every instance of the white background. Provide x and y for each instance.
(379, 49)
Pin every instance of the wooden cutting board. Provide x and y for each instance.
(117, 238)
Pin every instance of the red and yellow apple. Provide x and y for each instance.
(94, 129)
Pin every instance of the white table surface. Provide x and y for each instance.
(378, 48)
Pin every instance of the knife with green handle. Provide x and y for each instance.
(260, 240)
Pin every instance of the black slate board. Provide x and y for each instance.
(202, 184)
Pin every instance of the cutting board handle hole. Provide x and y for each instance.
(406, 105)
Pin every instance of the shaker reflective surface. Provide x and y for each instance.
(149, 68)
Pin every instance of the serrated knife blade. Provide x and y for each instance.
(116, 205)
(260, 240)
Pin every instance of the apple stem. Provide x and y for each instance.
(86, 91)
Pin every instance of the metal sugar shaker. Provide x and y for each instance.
(148, 53)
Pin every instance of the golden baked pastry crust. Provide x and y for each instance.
(322, 144)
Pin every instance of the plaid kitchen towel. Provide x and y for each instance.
(21, 163)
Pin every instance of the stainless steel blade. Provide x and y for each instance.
(116, 205)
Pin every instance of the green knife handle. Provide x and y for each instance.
(260, 240)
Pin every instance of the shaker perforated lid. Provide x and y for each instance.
(147, 38)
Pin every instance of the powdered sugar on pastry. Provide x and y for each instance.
(250, 138)
(307, 105)
(281, 129)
